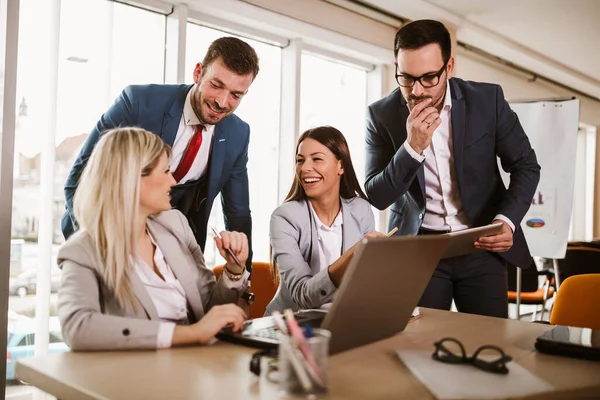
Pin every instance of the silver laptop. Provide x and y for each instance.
(381, 287)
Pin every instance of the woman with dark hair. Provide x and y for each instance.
(314, 231)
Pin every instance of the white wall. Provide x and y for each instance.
(517, 86)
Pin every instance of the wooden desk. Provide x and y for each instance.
(369, 372)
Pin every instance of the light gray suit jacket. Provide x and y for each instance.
(295, 245)
(90, 316)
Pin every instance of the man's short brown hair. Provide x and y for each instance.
(236, 54)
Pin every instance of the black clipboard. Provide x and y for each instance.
(570, 341)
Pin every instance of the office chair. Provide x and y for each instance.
(263, 287)
(579, 259)
(531, 292)
(577, 301)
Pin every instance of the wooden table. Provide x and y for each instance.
(369, 372)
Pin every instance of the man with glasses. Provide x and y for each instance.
(431, 155)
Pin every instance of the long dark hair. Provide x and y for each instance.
(333, 139)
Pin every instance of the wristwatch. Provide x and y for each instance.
(248, 296)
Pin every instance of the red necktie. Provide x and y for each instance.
(190, 154)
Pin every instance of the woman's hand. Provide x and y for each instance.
(237, 243)
(338, 268)
(217, 318)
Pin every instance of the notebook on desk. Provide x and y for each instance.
(382, 285)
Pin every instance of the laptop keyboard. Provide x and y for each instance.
(266, 333)
(262, 333)
(312, 318)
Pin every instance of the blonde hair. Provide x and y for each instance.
(107, 201)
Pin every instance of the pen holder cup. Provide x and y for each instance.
(297, 374)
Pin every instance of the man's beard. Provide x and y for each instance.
(197, 103)
(213, 106)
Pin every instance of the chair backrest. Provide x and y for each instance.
(263, 287)
(579, 260)
(577, 302)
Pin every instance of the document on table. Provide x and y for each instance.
(464, 381)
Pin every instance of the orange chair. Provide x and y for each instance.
(263, 287)
(531, 292)
(577, 302)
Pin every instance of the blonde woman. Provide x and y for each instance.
(133, 275)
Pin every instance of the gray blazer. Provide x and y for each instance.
(89, 314)
(295, 246)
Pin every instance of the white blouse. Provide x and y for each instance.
(168, 296)
(330, 241)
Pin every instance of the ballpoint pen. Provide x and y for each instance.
(390, 233)
(237, 261)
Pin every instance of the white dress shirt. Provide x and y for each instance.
(330, 241)
(168, 296)
(443, 208)
(184, 135)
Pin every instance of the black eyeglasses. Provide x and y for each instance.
(427, 80)
(488, 358)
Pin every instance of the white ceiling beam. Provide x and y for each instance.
(245, 14)
(491, 42)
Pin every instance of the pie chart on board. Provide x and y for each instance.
(535, 223)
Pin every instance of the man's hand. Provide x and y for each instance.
(497, 243)
(420, 125)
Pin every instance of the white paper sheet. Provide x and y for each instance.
(464, 381)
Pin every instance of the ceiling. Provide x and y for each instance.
(557, 39)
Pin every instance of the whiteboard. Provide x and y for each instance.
(552, 130)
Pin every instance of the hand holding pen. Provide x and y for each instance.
(233, 247)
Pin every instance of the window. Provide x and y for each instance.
(260, 109)
(335, 94)
(582, 225)
(104, 46)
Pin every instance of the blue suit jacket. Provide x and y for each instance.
(158, 109)
(483, 127)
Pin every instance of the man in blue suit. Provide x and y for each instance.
(431, 155)
(210, 143)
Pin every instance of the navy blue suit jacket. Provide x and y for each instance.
(158, 109)
(483, 127)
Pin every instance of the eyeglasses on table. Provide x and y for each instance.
(487, 358)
